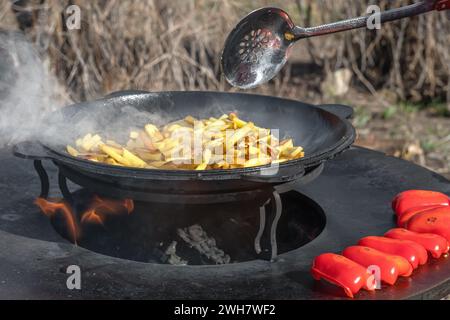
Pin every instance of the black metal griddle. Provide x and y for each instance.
(354, 191)
(322, 131)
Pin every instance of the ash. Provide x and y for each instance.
(174, 259)
(198, 239)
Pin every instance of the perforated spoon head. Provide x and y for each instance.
(257, 48)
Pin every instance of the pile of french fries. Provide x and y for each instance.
(226, 142)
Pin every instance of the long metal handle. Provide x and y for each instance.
(360, 22)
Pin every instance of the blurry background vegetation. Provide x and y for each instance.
(397, 78)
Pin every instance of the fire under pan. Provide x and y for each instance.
(354, 192)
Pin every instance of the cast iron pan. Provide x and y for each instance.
(323, 131)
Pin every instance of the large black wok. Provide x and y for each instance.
(323, 131)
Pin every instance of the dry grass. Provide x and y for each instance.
(168, 45)
(153, 45)
(410, 57)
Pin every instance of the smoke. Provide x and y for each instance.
(28, 93)
(32, 100)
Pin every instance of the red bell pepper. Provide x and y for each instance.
(433, 243)
(435, 221)
(365, 256)
(342, 272)
(405, 268)
(411, 251)
(411, 212)
(418, 198)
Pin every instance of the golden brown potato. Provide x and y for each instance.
(226, 142)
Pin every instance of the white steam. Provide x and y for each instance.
(27, 91)
(30, 95)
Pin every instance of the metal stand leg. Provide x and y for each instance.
(45, 182)
(62, 182)
(262, 224)
(43, 176)
(65, 211)
(70, 216)
(266, 239)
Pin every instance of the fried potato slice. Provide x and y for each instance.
(153, 132)
(206, 158)
(134, 160)
(149, 156)
(237, 122)
(225, 142)
(72, 151)
(117, 155)
(190, 119)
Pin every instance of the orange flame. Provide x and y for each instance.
(91, 217)
(129, 205)
(101, 208)
(96, 214)
(50, 208)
